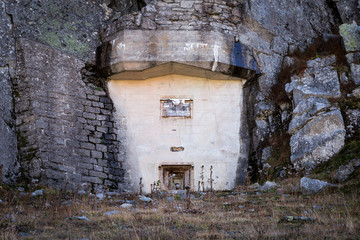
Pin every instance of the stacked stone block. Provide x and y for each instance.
(182, 15)
(66, 130)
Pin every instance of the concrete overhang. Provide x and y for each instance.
(143, 54)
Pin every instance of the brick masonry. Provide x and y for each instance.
(66, 130)
(203, 15)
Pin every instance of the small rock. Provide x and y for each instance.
(241, 206)
(126, 205)
(145, 199)
(111, 213)
(297, 219)
(345, 171)
(1, 202)
(79, 218)
(100, 196)
(21, 189)
(255, 185)
(179, 209)
(39, 192)
(356, 93)
(68, 202)
(112, 194)
(309, 185)
(268, 186)
(317, 207)
(251, 210)
(82, 218)
(266, 165)
(24, 234)
(81, 192)
(170, 199)
(10, 217)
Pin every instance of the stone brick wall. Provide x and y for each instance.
(182, 15)
(66, 130)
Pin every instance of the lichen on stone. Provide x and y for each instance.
(351, 35)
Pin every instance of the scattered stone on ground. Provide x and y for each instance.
(39, 192)
(145, 199)
(268, 186)
(109, 213)
(345, 171)
(126, 205)
(297, 219)
(309, 185)
(100, 196)
(68, 202)
(79, 218)
(81, 192)
(112, 194)
(24, 234)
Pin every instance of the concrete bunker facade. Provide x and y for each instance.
(179, 106)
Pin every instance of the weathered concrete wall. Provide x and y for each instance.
(137, 50)
(210, 137)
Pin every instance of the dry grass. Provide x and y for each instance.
(241, 214)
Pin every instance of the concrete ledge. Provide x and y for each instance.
(194, 51)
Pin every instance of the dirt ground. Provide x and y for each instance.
(244, 213)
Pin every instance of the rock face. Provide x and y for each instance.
(317, 129)
(351, 36)
(61, 129)
(9, 166)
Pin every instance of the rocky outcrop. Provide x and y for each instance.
(317, 128)
(9, 166)
(349, 11)
(351, 36)
(72, 27)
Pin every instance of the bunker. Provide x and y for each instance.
(179, 106)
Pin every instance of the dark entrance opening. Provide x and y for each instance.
(176, 177)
